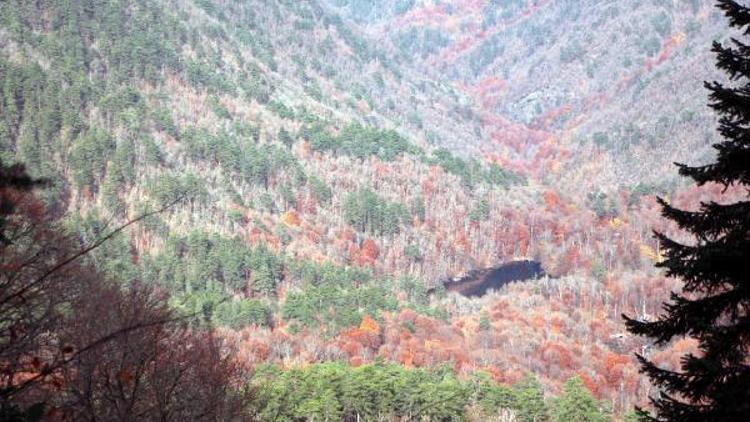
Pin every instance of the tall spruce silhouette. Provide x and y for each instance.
(713, 384)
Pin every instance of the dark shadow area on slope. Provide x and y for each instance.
(478, 282)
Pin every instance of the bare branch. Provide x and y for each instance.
(85, 251)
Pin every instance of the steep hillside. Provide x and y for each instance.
(331, 172)
(560, 81)
(227, 102)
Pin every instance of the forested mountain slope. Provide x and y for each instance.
(614, 80)
(337, 160)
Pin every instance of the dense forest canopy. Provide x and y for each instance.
(286, 188)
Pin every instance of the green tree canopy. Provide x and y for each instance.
(577, 404)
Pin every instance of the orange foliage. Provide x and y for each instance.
(551, 200)
(613, 367)
(290, 218)
(355, 340)
(369, 252)
(590, 384)
(369, 325)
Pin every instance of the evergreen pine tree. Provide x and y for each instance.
(577, 404)
(714, 307)
(530, 400)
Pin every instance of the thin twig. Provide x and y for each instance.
(88, 249)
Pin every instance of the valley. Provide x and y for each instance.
(332, 162)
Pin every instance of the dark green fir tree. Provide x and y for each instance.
(713, 384)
